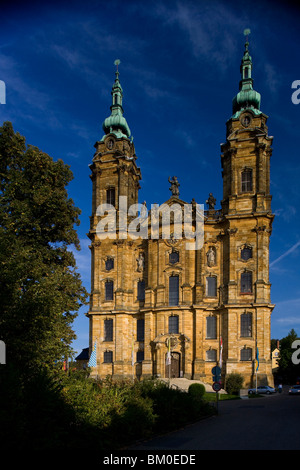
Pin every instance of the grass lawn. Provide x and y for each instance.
(212, 397)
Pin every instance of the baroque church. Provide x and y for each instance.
(159, 309)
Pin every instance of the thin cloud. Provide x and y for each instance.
(206, 29)
(288, 252)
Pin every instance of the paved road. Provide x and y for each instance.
(267, 423)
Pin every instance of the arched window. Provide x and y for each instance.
(246, 324)
(174, 324)
(211, 327)
(174, 290)
(246, 282)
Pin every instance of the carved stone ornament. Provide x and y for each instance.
(246, 120)
(110, 143)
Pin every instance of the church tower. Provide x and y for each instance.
(115, 177)
(246, 208)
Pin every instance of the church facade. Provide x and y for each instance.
(159, 308)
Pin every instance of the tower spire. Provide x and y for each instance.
(116, 123)
(247, 98)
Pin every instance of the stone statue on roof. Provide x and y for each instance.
(174, 186)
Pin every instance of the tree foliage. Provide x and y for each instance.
(40, 288)
(288, 372)
(234, 383)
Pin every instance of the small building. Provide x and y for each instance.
(275, 357)
(82, 359)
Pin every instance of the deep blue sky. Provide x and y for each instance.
(179, 71)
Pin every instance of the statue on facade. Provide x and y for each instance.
(211, 202)
(140, 262)
(174, 185)
(211, 257)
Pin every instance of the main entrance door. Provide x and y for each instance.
(173, 370)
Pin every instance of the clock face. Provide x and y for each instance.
(246, 120)
(110, 144)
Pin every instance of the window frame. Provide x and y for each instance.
(248, 351)
(247, 183)
(109, 295)
(140, 356)
(111, 196)
(111, 260)
(245, 249)
(174, 252)
(214, 359)
(211, 329)
(108, 329)
(209, 280)
(108, 357)
(174, 294)
(245, 283)
(246, 325)
(141, 290)
(173, 324)
(140, 329)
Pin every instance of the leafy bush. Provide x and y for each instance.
(234, 383)
(197, 390)
(73, 411)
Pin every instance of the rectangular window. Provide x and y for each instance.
(246, 282)
(108, 357)
(174, 324)
(246, 354)
(211, 355)
(174, 290)
(246, 181)
(108, 330)
(211, 327)
(173, 257)
(140, 329)
(109, 264)
(246, 324)
(141, 291)
(139, 356)
(111, 196)
(211, 286)
(109, 290)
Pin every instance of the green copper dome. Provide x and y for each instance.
(116, 123)
(247, 98)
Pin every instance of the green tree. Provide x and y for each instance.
(40, 288)
(287, 371)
